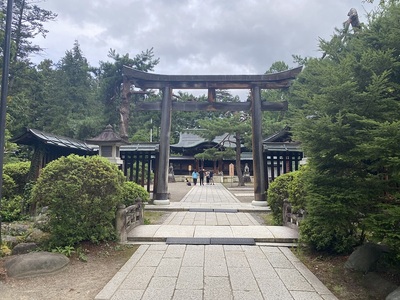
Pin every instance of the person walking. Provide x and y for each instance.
(201, 175)
(195, 175)
(211, 177)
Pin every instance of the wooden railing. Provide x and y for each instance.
(127, 218)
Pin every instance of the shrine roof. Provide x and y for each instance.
(31, 136)
(108, 135)
(192, 140)
(145, 80)
(281, 141)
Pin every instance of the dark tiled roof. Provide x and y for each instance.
(107, 136)
(31, 135)
(190, 139)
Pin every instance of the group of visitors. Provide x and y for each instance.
(209, 175)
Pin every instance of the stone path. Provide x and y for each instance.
(266, 270)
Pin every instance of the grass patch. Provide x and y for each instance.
(153, 217)
(268, 219)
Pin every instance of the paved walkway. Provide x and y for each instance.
(199, 269)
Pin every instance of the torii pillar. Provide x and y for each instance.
(161, 196)
(257, 143)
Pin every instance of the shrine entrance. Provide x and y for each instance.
(167, 83)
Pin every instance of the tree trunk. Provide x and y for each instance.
(124, 110)
(238, 164)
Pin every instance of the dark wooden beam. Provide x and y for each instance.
(146, 80)
(213, 106)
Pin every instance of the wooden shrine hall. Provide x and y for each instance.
(167, 83)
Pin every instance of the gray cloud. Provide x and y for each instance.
(197, 36)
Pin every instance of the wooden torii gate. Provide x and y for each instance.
(167, 83)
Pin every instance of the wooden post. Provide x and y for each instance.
(161, 197)
(258, 159)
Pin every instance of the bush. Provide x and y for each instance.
(9, 185)
(11, 209)
(277, 192)
(10, 202)
(19, 173)
(297, 190)
(82, 194)
(334, 211)
(131, 191)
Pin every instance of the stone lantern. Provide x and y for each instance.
(109, 143)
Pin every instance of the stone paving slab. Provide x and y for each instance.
(259, 233)
(208, 272)
(214, 272)
(180, 206)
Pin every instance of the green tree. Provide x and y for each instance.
(275, 121)
(117, 105)
(347, 108)
(27, 23)
(62, 99)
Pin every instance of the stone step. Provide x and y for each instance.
(152, 239)
(210, 241)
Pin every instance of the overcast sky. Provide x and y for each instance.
(196, 36)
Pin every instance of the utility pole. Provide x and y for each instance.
(4, 93)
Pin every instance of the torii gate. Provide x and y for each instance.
(167, 83)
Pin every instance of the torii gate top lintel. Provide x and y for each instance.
(146, 80)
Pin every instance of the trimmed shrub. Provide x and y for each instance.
(19, 173)
(297, 190)
(277, 192)
(82, 194)
(132, 191)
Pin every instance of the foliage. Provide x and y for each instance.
(4, 250)
(289, 186)
(297, 189)
(66, 250)
(8, 188)
(11, 202)
(82, 194)
(11, 209)
(110, 81)
(27, 23)
(277, 192)
(19, 173)
(132, 191)
(16, 196)
(347, 107)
